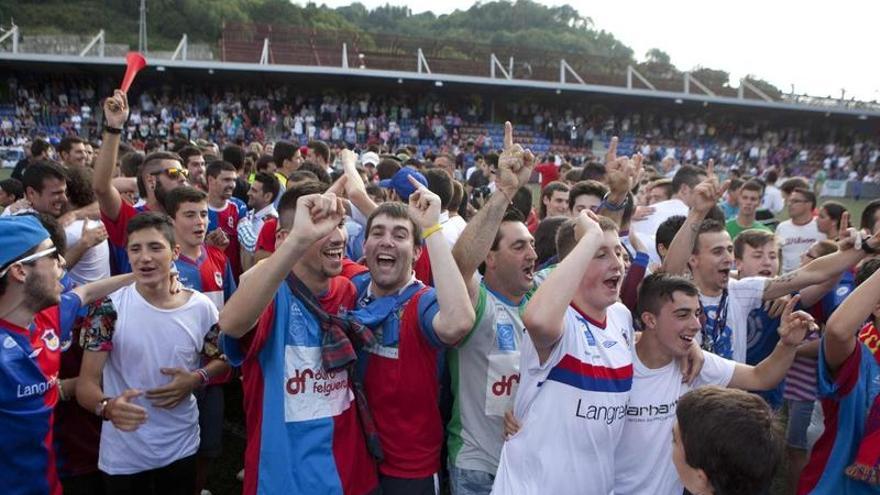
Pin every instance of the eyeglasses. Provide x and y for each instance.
(795, 200)
(171, 173)
(29, 260)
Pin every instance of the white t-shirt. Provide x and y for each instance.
(647, 229)
(643, 458)
(146, 339)
(95, 262)
(571, 409)
(796, 240)
(773, 199)
(452, 227)
(743, 296)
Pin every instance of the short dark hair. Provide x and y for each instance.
(320, 148)
(593, 171)
(835, 210)
(180, 195)
(300, 175)
(36, 173)
(269, 182)
(754, 238)
(387, 167)
(394, 209)
(573, 175)
(789, 185)
(565, 238)
(287, 203)
(79, 187)
(588, 188)
(707, 226)
(217, 166)
(867, 220)
(283, 150)
(457, 196)
(510, 215)
(735, 184)
(687, 175)
(39, 146)
(522, 201)
(188, 151)
(753, 185)
(667, 230)
(13, 187)
(151, 220)
(658, 288)
(665, 184)
(545, 238)
(67, 143)
(772, 176)
(440, 183)
(548, 191)
(233, 154)
(130, 163)
(807, 194)
(733, 436)
(319, 171)
(865, 270)
(263, 163)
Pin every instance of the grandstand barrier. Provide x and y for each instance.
(850, 189)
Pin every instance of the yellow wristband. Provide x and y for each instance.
(431, 230)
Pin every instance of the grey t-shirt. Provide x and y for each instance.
(485, 374)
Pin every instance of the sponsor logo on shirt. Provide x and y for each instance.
(311, 392)
(505, 336)
(605, 414)
(608, 344)
(321, 382)
(506, 385)
(38, 388)
(218, 278)
(9, 342)
(650, 412)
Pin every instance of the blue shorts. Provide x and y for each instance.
(469, 481)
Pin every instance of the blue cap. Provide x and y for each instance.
(400, 182)
(19, 234)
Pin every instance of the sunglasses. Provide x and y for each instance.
(30, 260)
(171, 173)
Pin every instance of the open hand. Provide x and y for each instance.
(796, 325)
(182, 383)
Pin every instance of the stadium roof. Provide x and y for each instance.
(840, 110)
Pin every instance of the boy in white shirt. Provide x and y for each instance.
(141, 365)
(575, 373)
(669, 310)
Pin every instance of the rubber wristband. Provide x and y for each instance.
(203, 374)
(431, 230)
(112, 130)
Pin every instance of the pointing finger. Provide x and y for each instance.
(412, 180)
(508, 135)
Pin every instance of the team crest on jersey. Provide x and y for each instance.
(231, 222)
(218, 278)
(50, 338)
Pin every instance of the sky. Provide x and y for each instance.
(820, 47)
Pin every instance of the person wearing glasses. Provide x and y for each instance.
(159, 173)
(36, 322)
(800, 231)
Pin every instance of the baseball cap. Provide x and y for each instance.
(369, 158)
(18, 234)
(400, 182)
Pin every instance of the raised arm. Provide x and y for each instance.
(456, 315)
(815, 272)
(621, 175)
(545, 311)
(355, 189)
(116, 113)
(841, 329)
(705, 197)
(316, 216)
(514, 168)
(771, 371)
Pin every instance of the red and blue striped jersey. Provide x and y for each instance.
(304, 436)
(116, 235)
(226, 219)
(210, 274)
(30, 362)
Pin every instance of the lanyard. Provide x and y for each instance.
(710, 338)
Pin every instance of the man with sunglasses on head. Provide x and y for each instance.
(36, 321)
(159, 173)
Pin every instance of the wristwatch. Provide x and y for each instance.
(102, 407)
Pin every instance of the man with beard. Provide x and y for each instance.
(45, 190)
(194, 162)
(224, 211)
(160, 172)
(73, 152)
(303, 431)
(485, 365)
(412, 323)
(36, 321)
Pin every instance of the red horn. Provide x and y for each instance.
(135, 62)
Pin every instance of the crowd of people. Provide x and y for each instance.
(433, 122)
(412, 322)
